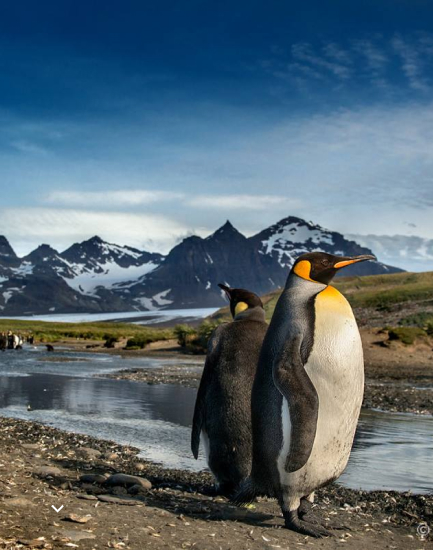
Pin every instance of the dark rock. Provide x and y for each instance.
(93, 478)
(47, 471)
(30, 446)
(88, 453)
(87, 497)
(126, 480)
(124, 501)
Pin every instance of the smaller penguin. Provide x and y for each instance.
(222, 416)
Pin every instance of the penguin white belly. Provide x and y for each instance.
(336, 369)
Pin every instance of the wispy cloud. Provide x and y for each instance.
(381, 60)
(376, 61)
(29, 148)
(411, 64)
(109, 199)
(125, 198)
(243, 202)
(304, 52)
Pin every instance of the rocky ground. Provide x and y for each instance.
(41, 467)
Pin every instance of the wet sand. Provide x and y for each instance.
(41, 467)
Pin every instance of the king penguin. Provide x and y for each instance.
(222, 416)
(307, 393)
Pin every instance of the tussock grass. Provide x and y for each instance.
(406, 335)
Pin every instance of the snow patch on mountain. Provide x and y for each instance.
(291, 237)
(160, 298)
(7, 294)
(294, 233)
(26, 268)
(107, 275)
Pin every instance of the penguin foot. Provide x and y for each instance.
(293, 523)
(305, 509)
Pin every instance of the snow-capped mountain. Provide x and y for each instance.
(96, 276)
(79, 279)
(291, 237)
(95, 263)
(190, 274)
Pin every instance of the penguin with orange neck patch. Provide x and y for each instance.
(222, 416)
(307, 393)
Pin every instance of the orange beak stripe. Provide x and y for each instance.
(347, 262)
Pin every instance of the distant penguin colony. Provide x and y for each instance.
(307, 393)
(222, 416)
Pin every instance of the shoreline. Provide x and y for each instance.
(398, 378)
(41, 466)
(381, 396)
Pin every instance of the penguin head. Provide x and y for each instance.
(320, 267)
(240, 299)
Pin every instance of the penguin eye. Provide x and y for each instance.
(325, 262)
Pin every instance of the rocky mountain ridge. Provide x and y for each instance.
(96, 276)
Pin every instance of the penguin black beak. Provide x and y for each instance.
(354, 260)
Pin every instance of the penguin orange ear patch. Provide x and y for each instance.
(303, 269)
(240, 306)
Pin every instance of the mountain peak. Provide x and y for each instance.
(42, 250)
(294, 220)
(6, 249)
(227, 230)
(94, 240)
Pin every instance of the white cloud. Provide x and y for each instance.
(108, 199)
(28, 147)
(26, 228)
(406, 251)
(243, 202)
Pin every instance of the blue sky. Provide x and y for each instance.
(145, 122)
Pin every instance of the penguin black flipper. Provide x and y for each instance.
(199, 411)
(293, 382)
(200, 404)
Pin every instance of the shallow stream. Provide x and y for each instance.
(391, 451)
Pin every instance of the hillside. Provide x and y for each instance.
(404, 299)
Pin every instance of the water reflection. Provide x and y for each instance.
(391, 451)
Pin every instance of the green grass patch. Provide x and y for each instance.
(406, 335)
(196, 339)
(383, 291)
(380, 292)
(44, 331)
(423, 319)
